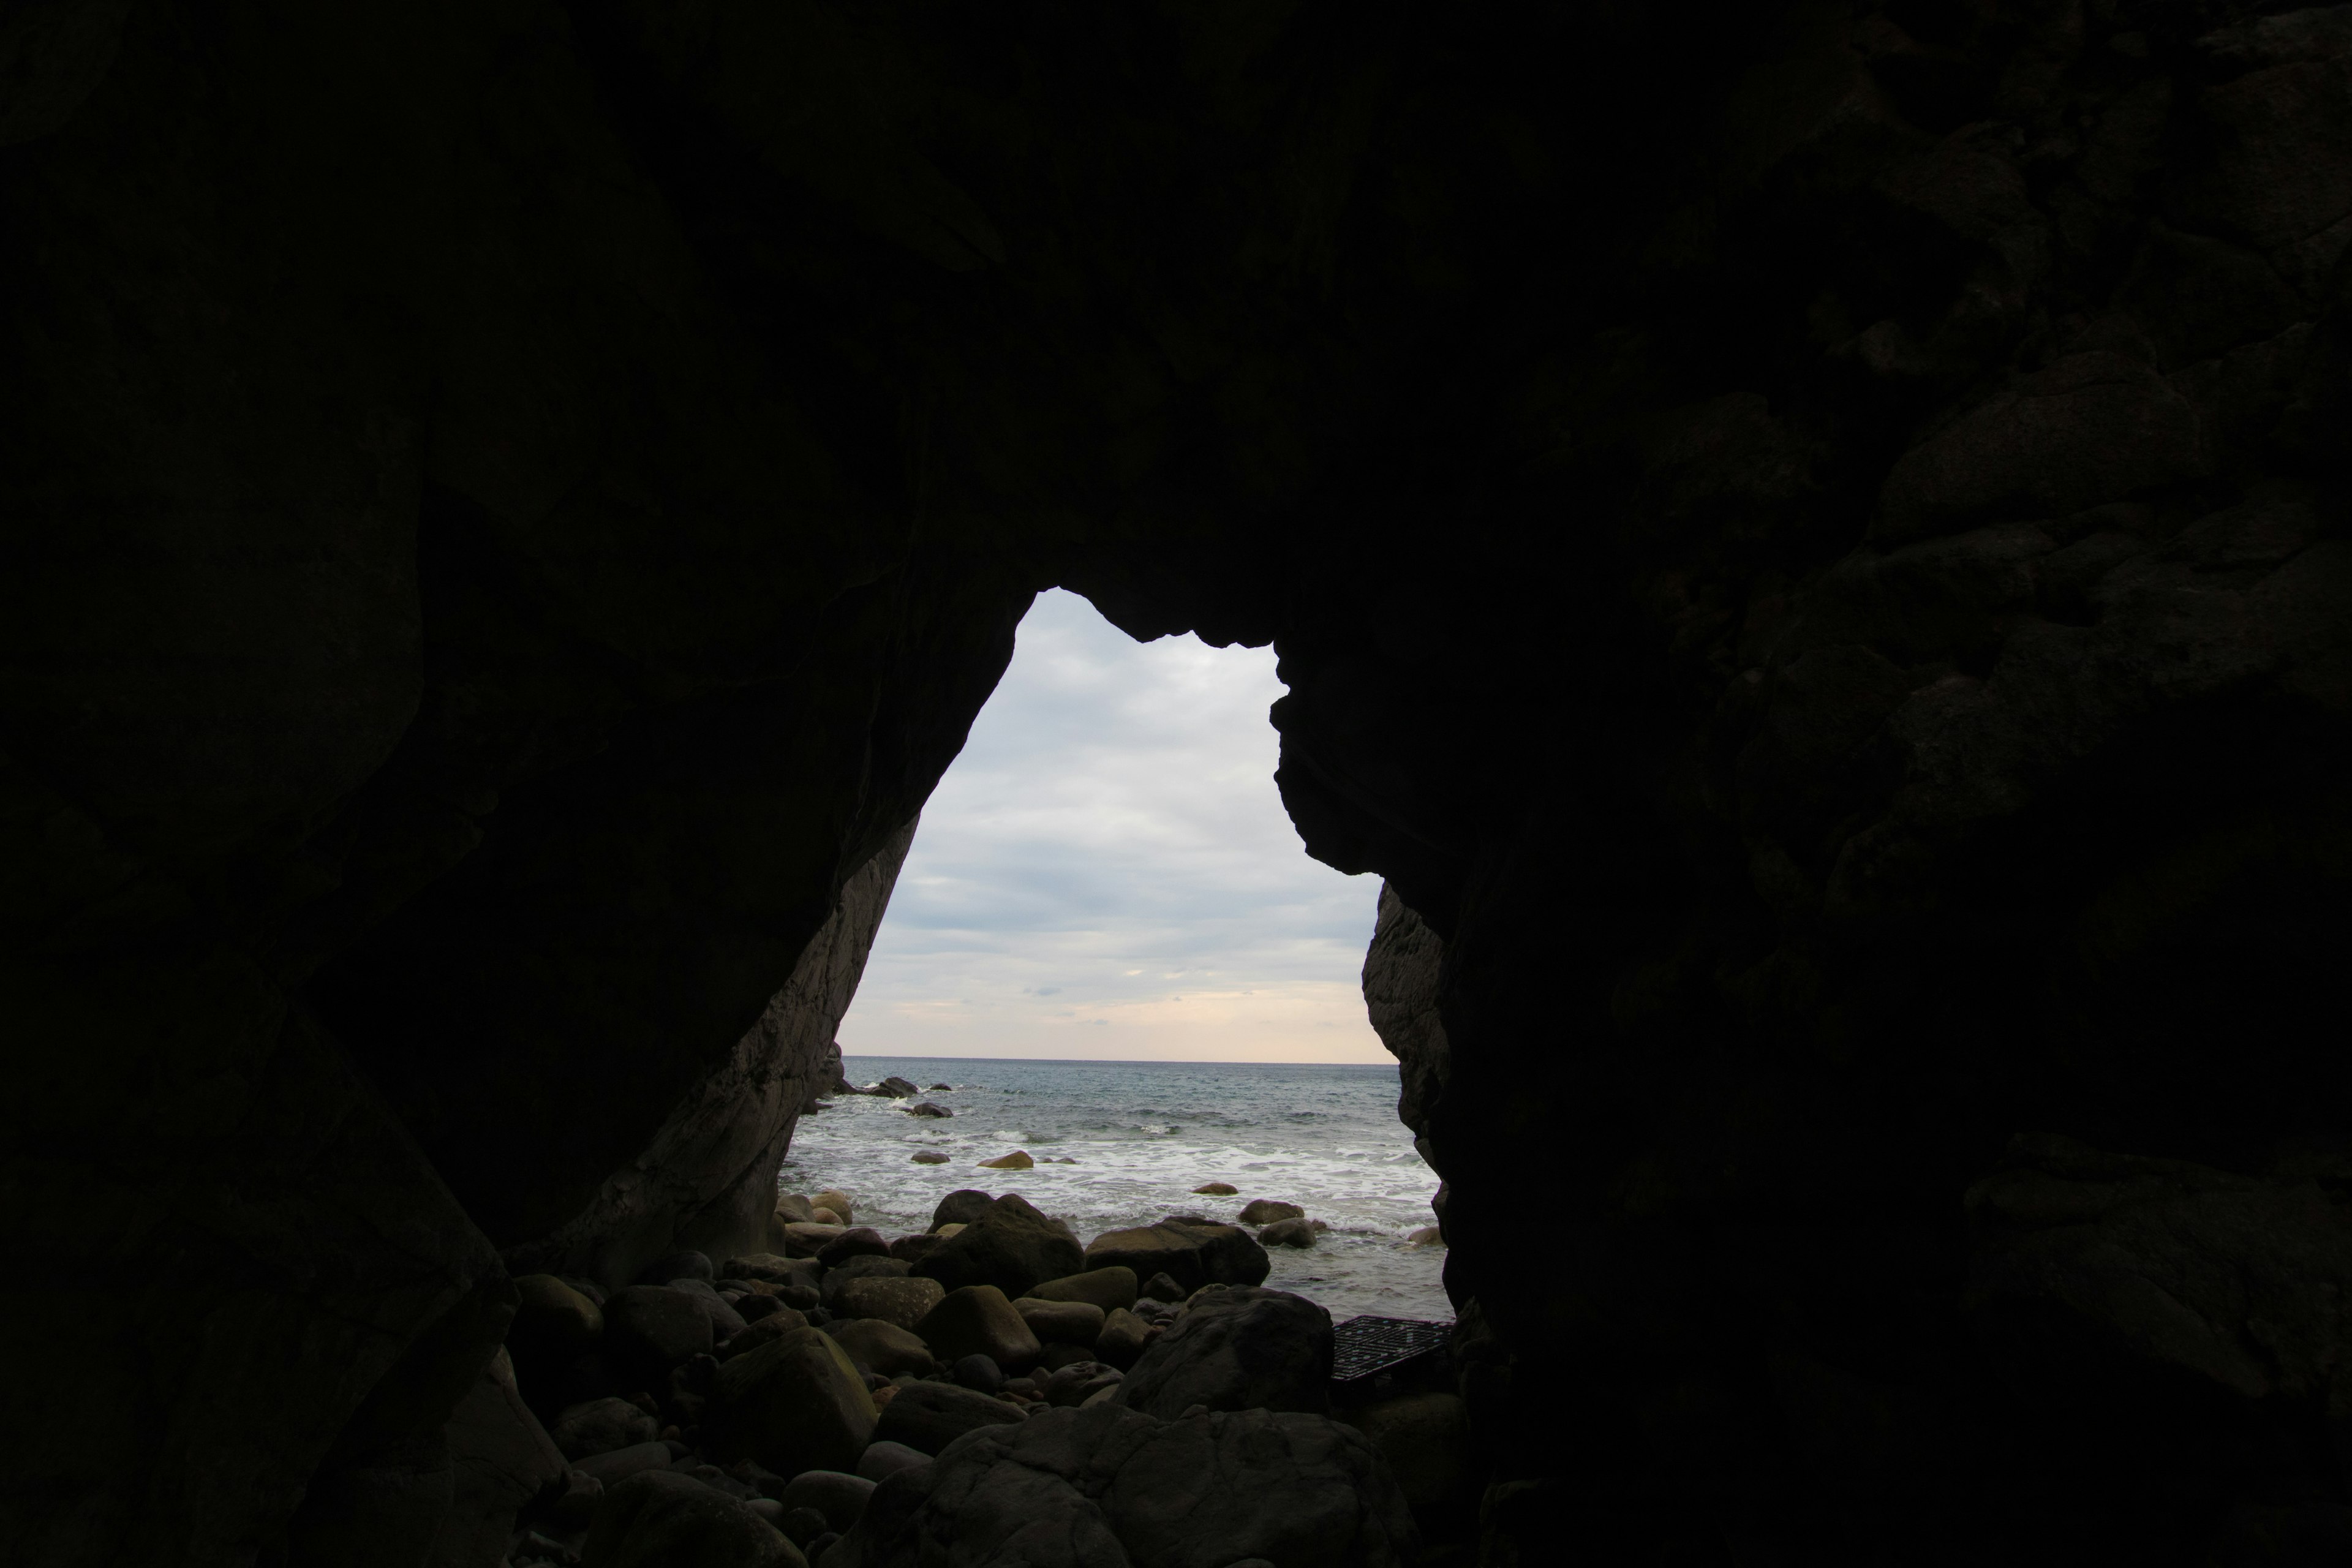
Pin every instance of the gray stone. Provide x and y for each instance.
(553, 1323)
(1264, 1211)
(1425, 1438)
(619, 1464)
(927, 1416)
(978, 1372)
(774, 1325)
(882, 1461)
(794, 1404)
(600, 1425)
(500, 1460)
(1239, 1349)
(859, 1241)
(1122, 1339)
(1109, 1289)
(979, 1320)
(1010, 1245)
(960, 1207)
(839, 1495)
(662, 1521)
(1192, 1253)
(672, 1266)
(868, 1266)
(1162, 1287)
(1072, 1322)
(1289, 1232)
(902, 1302)
(887, 1348)
(929, 1157)
(650, 1328)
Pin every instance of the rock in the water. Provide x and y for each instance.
(600, 1426)
(833, 1217)
(1238, 1349)
(941, 1085)
(960, 1207)
(1215, 1190)
(553, 1323)
(979, 1320)
(1161, 1288)
(1193, 1254)
(794, 1404)
(1122, 1339)
(887, 1348)
(927, 1109)
(775, 1325)
(929, 1157)
(978, 1372)
(927, 1416)
(1289, 1232)
(650, 1328)
(1109, 1288)
(897, 1088)
(671, 1266)
(1018, 1160)
(839, 1202)
(862, 1241)
(661, 1520)
(1265, 1210)
(882, 1461)
(1425, 1438)
(1427, 1236)
(902, 1302)
(1074, 1322)
(1010, 1246)
(840, 1497)
(1108, 1488)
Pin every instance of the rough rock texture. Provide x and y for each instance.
(661, 1520)
(1106, 1487)
(1807, 544)
(794, 1404)
(1238, 1349)
(707, 1179)
(1010, 1244)
(500, 1460)
(1192, 1253)
(927, 1416)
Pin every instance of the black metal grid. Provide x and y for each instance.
(1362, 1346)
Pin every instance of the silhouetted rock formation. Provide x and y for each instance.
(1807, 545)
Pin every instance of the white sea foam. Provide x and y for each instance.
(1143, 1135)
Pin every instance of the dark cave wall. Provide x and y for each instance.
(1806, 543)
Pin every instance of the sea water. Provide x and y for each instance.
(1142, 1135)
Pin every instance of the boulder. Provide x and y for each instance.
(1018, 1160)
(756, 1306)
(938, 1086)
(927, 1416)
(928, 1109)
(978, 1321)
(601, 1427)
(929, 1157)
(1109, 1288)
(882, 1461)
(801, 1526)
(1122, 1339)
(1215, 1190)
(500, 1459)
(1106, 1487)
(794, 1404)
(1427, 1236)
(776, 1268)
(960, 1207)
(553, 1323)
(1289, 1232)
(725, 1321)
(862, 1241)
(1191, 1253)
(902, 1302)
(978, 1372)
(1010, 1244)
(1161, 1288)
(823, 1216)
(794, 1209)
(897, 1088)
(1073, 1384)
(660, 1521)
(867, 1266)
(650, 1328)
(1264, 1211)
(1425, 1438)
(610, 1469)
(839, 1495)
(837, 1200)
(1238, 1349)
(913, 1248)
(1074, 1322)
(884, 1347)
(803, 1240)
(775, 1325)
(948, 1230)
(674, 1266)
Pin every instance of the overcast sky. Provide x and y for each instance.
(1107, 872)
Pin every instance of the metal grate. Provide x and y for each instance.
(1362, 1346)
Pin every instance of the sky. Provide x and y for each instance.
(1107, 873)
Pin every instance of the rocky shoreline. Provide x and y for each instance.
(847, 1396)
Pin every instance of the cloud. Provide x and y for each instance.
(1111, 830)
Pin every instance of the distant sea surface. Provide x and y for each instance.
(1143, 1135)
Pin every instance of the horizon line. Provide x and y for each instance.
(1115, 1061)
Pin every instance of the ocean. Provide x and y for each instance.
(1143, 1135)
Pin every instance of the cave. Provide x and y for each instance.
(1806, 543)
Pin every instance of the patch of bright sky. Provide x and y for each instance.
(1107, 873)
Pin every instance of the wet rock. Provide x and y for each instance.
(1075, 1322)
(1216, 1189)
(929, 1157)
(942, 1085)
(1239, 1349)
(794, 1404)
(662, 1521)
(619, 1464)
(1191, 1253)
(1425, 1438)
(1010, 1244)
(1108, 1488)
(1122, 1338)
(927, 1109)
(1289, 1232)
(1427, 1236)
(650, 1328)
(883, 1460)
(960, 1207)
(887, 1348)
(978, 1372)
(1264, 1211)
(1162, 1287)
(897, 1088)
(1018, 1160)
(1109, 1289)
(839, 1495)
(978, 1320)
(862, 1241)
(601, 1427)
(839, 1202)
(927, 1416)
(914, 1247)
(902, 1302)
